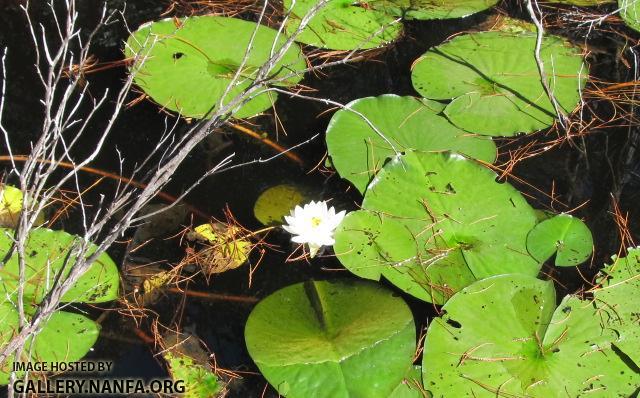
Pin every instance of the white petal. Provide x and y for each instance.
(313, 250)
(324, 241)
(332, 212)
(299, 239)
(290, 229)
(336, 220)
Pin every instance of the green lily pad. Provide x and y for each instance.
(9, 321)
(493, 82)
(11, 202)
(618, 299)
(47, 254)
(65, 337)
(372, 245)
(186, 65)
(438, 222)
(503, 336)
(630, 13)
(411, 385)
(199, 381)
(563, 234)
(342, 25)
(358, 152)
(432, 9)
(10, 205)
(276, 202)
(583, 3)
(326, 339)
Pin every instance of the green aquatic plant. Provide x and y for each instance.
(411, 385)
(432, 9)
(583, 3)
(434, 223)
(333, 339)
(188, 364)
(190, 65)
(630, 13)
(275, 202)
(48, 261)
(65, 336)
(10, 205)
(493, 82)
(341, 24)
(617, 296)
(11, 202)
(566, 236)
(199, 381)
(505, 336)
(364, 135)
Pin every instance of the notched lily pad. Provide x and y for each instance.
(326, 339)
(47, 256)
(188, 362)
(432, 9)
(342, 24)
(493, 82)
(358, 151)
(618, 297)
(504, 336)
(276, 202)
(10, 205)
(11, 202)
(630, 13)
(411, 385)
(564, 235)
(65, 337)
(435, 224)
(186, 65)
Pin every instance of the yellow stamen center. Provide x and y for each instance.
(315, 221)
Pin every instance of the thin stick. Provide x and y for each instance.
(163, 195)
(215, 296)
(562, 117)
(291, 155)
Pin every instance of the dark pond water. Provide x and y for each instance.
(584, 172)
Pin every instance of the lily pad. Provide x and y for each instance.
(432, 9)
(276, 202)
(583, 3)
(65, 337)
(10, 205)
(372, 245)
(440, 220)
(326, 339)
(47, 256)
(341, 25)
(358, 152)
(493, 81)
(199, 381)
(188, 362)
(226, 247)
(411, 385)
(618, 299)
(11, 202)
(503, 336)
(186, 65)
(630, 13)
(564, 235)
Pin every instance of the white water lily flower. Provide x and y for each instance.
(313, 225)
